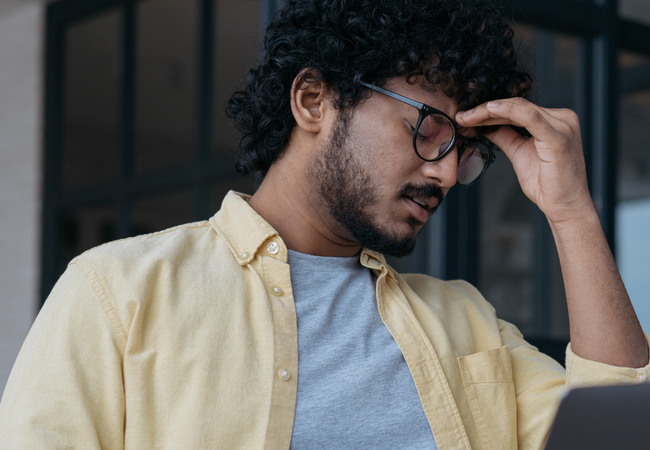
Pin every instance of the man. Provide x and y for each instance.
(278, 324)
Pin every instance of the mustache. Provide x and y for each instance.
(423, 191)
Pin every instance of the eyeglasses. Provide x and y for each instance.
(435, 134)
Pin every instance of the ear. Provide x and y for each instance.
(309, 103)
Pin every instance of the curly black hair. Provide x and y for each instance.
(461, 47)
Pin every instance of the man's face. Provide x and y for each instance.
(369, 179)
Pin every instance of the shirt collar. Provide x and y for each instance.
(245, 231)
(376, 261)
(241, 227)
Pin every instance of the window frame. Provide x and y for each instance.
(125, 188)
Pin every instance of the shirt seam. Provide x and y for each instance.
(110, 311)
(201, 224)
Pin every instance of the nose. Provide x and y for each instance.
(445, 170)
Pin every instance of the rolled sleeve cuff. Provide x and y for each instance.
(583, 372)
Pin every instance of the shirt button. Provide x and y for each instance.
(284, 374)
(273, 248)
(276, 291)
(642, 377)
(245, 255)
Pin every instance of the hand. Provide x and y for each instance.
(550, 164)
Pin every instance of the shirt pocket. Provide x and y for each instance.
(490, 390)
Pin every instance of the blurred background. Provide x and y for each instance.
(112, 124)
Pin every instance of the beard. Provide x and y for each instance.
(347, 191)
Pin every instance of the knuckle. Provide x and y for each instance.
(570, 122)
(573, 119)
(570, 117)
(535, 115)
(568, 114)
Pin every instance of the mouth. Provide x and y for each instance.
(420, 202)
(420, 209)
(422, 199)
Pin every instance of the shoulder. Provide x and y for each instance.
(160, 245)
(140, 267)
(183, 246)
(156, 275)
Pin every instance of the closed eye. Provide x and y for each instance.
(419, 135)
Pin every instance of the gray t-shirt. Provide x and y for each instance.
(355, 390)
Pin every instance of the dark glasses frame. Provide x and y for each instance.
(425, 111)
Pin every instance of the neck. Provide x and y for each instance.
(286, 201)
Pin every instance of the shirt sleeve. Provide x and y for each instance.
(539, 386)
(583, 372)
(66, 388)
(541, 383)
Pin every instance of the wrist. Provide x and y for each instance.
(578, 222)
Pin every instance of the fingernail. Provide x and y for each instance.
(493, 104)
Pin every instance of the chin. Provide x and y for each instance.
(387, 242)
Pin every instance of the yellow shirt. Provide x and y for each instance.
(186, 339)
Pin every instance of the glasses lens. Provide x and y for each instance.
(472, 162)
(434, 136)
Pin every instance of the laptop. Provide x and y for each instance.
(608, 417)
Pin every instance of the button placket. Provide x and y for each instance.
(274, 272)
(274, 248)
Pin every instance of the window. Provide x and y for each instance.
(519, 267)
(137, 138)
(636, 10)
(633, 208)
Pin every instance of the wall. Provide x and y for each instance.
(21, 71)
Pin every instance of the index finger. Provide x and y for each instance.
(516, 112)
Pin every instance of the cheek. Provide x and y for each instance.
(385, 150)
(388, 145)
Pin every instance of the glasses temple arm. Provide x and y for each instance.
(406, 100)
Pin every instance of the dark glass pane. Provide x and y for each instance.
(506, 240)
(219, 189)
(165, 90)
(235, 52)
(633, 209)
(637, 10)
(553, 58)
(162, 211)
(509, 258)
(90, 125)
(83, 229)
